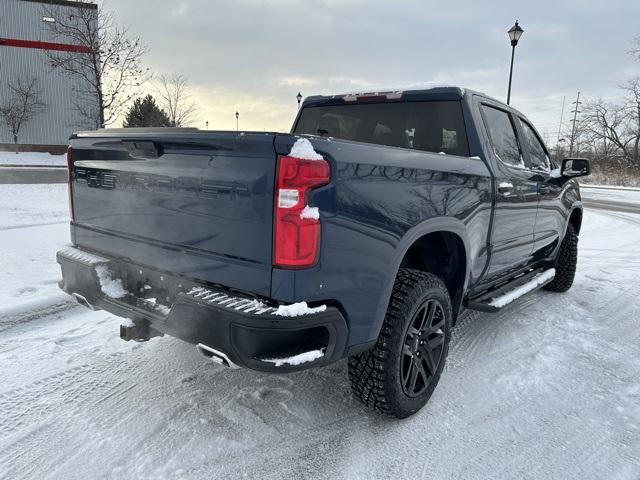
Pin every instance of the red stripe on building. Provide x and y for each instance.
(62, 47)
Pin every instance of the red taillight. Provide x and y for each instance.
(70, 180)
(297, 236)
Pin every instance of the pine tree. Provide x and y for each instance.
(146, 113)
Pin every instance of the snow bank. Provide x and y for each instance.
(32, 158)
(297, 359)
(304, 150)
(310, 212)
(110, 287)
(298, 309)
(526, 288)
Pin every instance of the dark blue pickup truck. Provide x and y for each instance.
(363, 233)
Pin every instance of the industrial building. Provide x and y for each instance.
(25, 39)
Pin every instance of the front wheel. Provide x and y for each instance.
(398, 375)
(566, 262)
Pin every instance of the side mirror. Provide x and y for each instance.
(575, 167)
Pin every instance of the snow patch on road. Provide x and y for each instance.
(304, 150)
(298, 309)
(297, 359)
(110, 287)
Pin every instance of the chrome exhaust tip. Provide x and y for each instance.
(216, 356)
(81, 299)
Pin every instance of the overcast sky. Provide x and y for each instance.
(254, 55)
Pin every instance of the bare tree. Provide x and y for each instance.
(634, 51)
(615, 127)
(22, 104)
(107, 62)
(175, 98)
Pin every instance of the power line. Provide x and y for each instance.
(560, 126)
(575, 112)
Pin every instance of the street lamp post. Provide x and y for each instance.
(237, 124)
(515, 33)
(299, 98)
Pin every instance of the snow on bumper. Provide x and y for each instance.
(252, 333)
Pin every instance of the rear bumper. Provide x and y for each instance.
(245, 331)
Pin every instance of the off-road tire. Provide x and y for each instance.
(376, 375)
(565, 263)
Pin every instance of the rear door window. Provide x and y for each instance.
(436, 126)
(537, 152)
(503, 136)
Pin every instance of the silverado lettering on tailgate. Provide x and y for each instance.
(186, 186)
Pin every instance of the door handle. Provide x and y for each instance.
(543, 189)
(505, 188)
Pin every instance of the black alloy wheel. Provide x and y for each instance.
(423, 348)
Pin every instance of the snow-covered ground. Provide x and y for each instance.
(610, 193)
(549, 388)
(32, 158)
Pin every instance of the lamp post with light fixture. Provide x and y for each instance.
(237, 124)
(299, 98)
(515, 33)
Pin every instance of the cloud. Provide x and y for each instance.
(255, 55)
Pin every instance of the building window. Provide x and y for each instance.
(49, 19)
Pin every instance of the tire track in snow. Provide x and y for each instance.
(31, 225)
(31, 311)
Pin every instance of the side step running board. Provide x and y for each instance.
(499, 298)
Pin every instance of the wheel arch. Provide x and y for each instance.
(575, 219)
(438, 236)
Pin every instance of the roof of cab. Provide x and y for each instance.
(424, 91)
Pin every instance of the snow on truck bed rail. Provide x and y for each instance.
(304, 150)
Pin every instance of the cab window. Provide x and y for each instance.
(432, 126)
(537, 152)
(503, 136)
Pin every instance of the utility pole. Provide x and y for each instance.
(575, 112)
(560, 127)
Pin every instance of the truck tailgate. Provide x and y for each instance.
(197, 204)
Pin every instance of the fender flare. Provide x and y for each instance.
(432, 225)
(577, 205)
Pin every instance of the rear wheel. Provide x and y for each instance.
(566, 262)
(399, 374)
